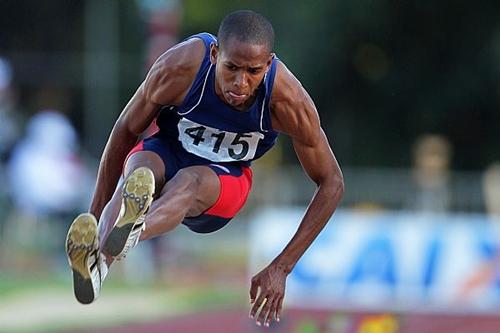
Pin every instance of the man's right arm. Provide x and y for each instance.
(121, 140)
(167, 83)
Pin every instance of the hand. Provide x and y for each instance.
(270, 283)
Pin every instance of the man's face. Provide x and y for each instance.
(240, 69)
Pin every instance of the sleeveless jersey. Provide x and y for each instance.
(212, 130)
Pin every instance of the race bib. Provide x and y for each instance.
(217, 145)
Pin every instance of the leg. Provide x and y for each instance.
(85, 237)
(189, 193)
(139, 159)
(144, 171)
(82, 249)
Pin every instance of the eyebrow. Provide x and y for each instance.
(253, 68)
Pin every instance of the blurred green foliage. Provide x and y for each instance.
(307, 326)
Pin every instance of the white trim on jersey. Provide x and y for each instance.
(223, 168)
(263, 105)
(201, 95)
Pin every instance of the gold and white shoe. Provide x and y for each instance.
(137, 196)
(88, 264)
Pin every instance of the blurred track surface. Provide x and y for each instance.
(236, 321)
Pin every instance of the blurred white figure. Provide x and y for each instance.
(491, 189)
(431, 173)
(46, 176)
(47, 184)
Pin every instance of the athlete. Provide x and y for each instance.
(219, 104)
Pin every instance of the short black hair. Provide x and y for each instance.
(247, 26)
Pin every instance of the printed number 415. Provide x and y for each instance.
(197, 133)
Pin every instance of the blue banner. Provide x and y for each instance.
(387, 260)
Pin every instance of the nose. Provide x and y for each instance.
(241, 80)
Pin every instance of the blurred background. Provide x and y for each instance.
(409, 95)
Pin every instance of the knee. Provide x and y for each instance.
(149, 160)
(190, 191)
(185, 182)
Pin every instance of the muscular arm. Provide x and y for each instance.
(133, 120)
(166, 84)
(294, 113)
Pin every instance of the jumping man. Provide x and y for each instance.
(219, 104)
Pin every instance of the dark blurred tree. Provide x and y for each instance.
(384, 72)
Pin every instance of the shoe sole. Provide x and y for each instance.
(82, 242)
(137, 195)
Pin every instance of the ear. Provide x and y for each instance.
(214, 51)
(270, 60)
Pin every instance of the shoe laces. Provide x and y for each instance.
(133, 238)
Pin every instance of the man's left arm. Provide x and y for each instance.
(294, 113)
(320, 164)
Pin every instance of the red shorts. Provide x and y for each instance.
(234, 189)
(235, 183)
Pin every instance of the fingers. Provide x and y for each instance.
(274, 310)
(266, 299)
(271, 313)
(270, 308)
(253, 290)
(264, 313)
(256, 305)
(278, 308)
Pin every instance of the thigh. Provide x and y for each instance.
(147, 159)
(191, 191)
(235, 183)
(200, 183)
(154, 154)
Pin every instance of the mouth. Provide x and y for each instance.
(236, 97)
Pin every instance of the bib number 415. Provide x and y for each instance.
(217, 145)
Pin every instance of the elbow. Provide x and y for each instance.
(122, 127)
(334, 185)
(124, 131)
(338, 185)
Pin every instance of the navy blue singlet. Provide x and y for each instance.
(209, 129)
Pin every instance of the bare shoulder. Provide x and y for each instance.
(292, 109)
(171, 76)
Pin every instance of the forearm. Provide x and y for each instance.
(118, 146)
(321, 208)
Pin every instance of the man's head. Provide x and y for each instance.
(243, 56)
(248, 27)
